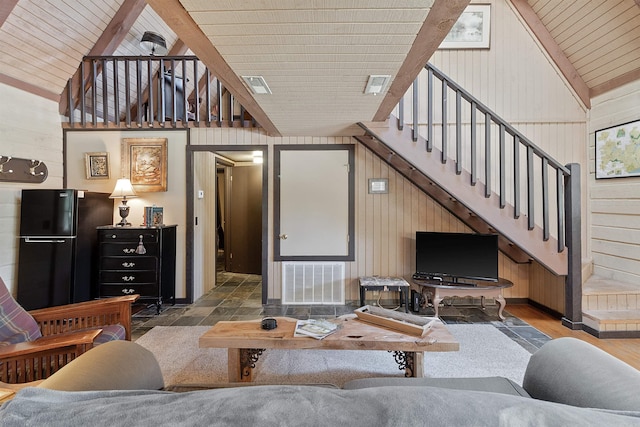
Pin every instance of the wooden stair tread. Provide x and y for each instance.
(613, 316)
(597, 285)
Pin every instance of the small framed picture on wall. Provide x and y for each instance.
(97, 165)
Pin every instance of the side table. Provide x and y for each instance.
(385, 284)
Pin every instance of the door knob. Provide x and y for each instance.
(283, 237)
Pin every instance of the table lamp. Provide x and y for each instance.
(123, 190)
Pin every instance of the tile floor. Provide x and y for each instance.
(239, 298)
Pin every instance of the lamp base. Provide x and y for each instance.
(123, 210)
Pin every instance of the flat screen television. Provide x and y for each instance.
(452, 256)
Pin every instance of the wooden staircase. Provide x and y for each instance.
(495, 180)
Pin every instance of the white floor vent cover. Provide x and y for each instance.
(313, 283)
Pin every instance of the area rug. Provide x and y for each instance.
(484, 351)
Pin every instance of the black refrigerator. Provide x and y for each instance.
(58, 246)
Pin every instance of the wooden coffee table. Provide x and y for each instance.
(246, 341)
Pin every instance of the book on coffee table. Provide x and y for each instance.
(315, 328)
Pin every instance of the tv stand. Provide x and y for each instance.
(441, 289)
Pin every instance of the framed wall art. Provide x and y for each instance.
(97, 165)
(471, 30)
(144, 162)
(618, 151)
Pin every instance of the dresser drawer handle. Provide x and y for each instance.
(128, 291)
(128, 278)
(113, 236)
(128, 250)
(128, 264)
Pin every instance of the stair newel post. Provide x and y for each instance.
(70, 102)
(127, 94)
(150, 102)
(458, 132)
(105, 93)
(81, 95)
(401, 114)
(573, 285)
(429, 108)
(445, 122)
(207, 90)
(94, 95)
(116, 93)
(416, 105)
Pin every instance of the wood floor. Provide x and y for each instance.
(627, 349)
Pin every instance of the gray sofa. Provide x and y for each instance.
(567, 382)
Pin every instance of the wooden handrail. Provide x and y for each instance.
(521, 146)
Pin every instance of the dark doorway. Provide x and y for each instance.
(243, 236)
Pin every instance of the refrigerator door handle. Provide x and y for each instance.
(28, 240)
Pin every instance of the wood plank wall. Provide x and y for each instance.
(204, 249)
(385, 223)
(21, 138)
(615, 203)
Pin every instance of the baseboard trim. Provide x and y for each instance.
(545, 309)
(575, 326)
(611, 334)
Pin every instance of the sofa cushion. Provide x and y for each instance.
(489, 384)
(571, 371)
(298, 406)
(16, 324)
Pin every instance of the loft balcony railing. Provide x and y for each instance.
(149, 91)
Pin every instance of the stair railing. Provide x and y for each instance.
(509, 144)
(479, 138)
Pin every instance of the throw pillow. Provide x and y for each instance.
(16, 324)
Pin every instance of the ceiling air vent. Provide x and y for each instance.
(257, 85)
(376, 84)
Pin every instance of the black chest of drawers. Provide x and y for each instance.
(137, 260)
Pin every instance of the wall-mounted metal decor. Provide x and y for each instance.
(14, 169)
(144, 162)
(97, 165)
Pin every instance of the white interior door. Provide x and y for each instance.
(314, 203)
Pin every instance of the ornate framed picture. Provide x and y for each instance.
(97, 165)
(144, 162)
(471, 30)
(618, 151)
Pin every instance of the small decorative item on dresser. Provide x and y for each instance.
(153, 216)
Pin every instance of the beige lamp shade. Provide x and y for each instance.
(123, 190)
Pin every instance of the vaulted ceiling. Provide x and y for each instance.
(315, 55)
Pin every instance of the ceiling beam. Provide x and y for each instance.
(553, 49)
(107, 43)
(441, 17)
(6, 7)
(28, 87)
(616, 82)
(177, 18)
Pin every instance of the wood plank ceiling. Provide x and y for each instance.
(316, 56)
